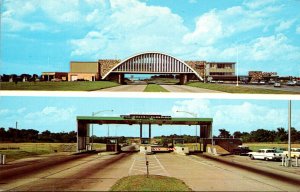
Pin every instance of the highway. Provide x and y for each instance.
(86, 172)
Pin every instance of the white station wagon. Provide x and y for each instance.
(265, 154)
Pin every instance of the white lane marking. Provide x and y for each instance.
(129, 172)
(163, 168)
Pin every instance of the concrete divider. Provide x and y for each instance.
(2, 159)
(145, 149)
(182, 150)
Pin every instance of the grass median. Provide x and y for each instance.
(152, 183)
(58, 86)
(154, 88)
(235, 89)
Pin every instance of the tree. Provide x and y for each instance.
(281, 135)
(224, 133)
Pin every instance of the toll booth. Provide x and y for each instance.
(178, 141)
(145, 141)
(145, 146)
(112, 144)
(179, 147)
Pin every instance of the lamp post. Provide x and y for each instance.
(237, 66)
(93, 114)
(194, 115)
(289, 132)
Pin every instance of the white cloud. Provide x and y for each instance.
(208, 30)
(130, 27)
(268, 48)
(236, 117)
(284, 25)
(91, 44)
(254, 4)
(4, 111)
(21, 110)
(51, 114)
(217, 25)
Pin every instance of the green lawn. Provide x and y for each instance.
(234, 89)
(14, 151)
(153, 183)
(154, 88)
(58, 86)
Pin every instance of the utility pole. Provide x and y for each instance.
(16, 124)
(289, 132)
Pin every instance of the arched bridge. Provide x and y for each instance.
(152, 63)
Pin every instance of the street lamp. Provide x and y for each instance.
(93, 114)
(194, 115)
(237, 66)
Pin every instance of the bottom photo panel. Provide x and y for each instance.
(149, 144)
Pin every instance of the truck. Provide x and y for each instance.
(266, 154)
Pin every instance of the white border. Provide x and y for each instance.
(148, 95)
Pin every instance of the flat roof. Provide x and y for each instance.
(121, 120)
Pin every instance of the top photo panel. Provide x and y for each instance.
(192, 46)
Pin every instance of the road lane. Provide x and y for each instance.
(125, 88)
(188, 89)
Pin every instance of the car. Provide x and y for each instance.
(298, 83)
(241, 150)
(266, 154)
(262, 82)
(271, 82)
(295, 152)
(290, 83)
(277, 84)
(254, 82)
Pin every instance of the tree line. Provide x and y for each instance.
(259, 135)
(31, 135)
(262, 135)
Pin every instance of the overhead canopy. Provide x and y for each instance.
(162, 121)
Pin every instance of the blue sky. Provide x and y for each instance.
(38, 35)
(58, 114)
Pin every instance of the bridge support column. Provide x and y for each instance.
(141, 132)
(149, 133)
(121, 78)
(83, 136)
(183, 79)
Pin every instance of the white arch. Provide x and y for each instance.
(143, 53)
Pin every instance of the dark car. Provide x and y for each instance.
(241, 150)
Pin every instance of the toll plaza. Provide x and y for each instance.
(112, 144)
(84, 122)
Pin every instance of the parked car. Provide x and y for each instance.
(277, 84)
(266, 154)
(262, 82)
(290, 83)
(254, 82)
(271, 82)
(298, 83)
(295, 152)
(241, 150)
